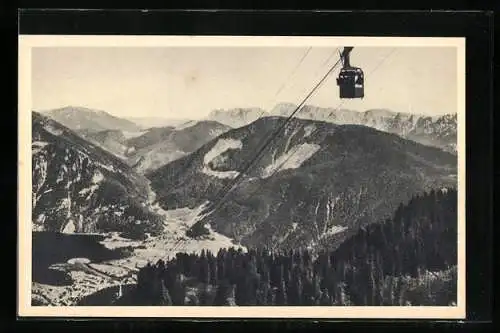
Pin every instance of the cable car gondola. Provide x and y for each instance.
(351, 79)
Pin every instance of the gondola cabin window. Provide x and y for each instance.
(351, 83)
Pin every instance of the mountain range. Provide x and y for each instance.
(323, 180)
(82, 118)
(103, 129)
(329, 172)
(79, 187)
(237, 117)
(143, 148)
(314, 183)
(438, 131)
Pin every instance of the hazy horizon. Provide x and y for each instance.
(191, 82)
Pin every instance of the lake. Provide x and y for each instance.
(106, 296)
(50, 248)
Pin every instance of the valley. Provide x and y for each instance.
(114, 260)
(115, 196)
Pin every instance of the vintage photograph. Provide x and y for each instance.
(242, 172)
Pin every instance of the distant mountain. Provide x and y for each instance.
(81, 118)
(159, 146)
(438, 131)
(114, 141)
(315, 183)
(237, 117)
(79, 187)
(150, 137)
(149, 122)
(156, 146)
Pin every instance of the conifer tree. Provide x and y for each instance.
(324, 298)
(281, 295)
(178, 291)
(165, 295)
(223, 294)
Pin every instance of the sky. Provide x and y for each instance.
(190, 82)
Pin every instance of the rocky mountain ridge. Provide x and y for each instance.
(315, 181)
(79, 187)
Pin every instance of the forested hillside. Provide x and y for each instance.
(310, 186)
(407, 260)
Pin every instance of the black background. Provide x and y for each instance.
(476, 26)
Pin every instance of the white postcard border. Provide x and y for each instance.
(27, 42)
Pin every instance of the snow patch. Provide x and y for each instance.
(292, 159)
(52, 130)
(308, 130)
(41, 218)
(216, 132)
(37, 146)
(334, 230)
(97, 178)
(39, 143)
(220, 174)
(65, 203)
(108, 167)
(219, 148)
(69, 228)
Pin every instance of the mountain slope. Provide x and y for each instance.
(159, 146)
(156, 146)
(113, 141)
(317, 181)
(81, 118)
(409, 259)
(79, 187)
(438, 131)
(416, 250)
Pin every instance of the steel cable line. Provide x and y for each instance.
(263, 143)
(337, 108)
(273, 135)
(289, 77)
(284, 84)
(292, 154)
(221, 201)
(276, 94)
(279, 90)
(293, 71)
(314, 132)
(383, 60)
(301, 60)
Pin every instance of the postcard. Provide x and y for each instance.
(237, 176)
